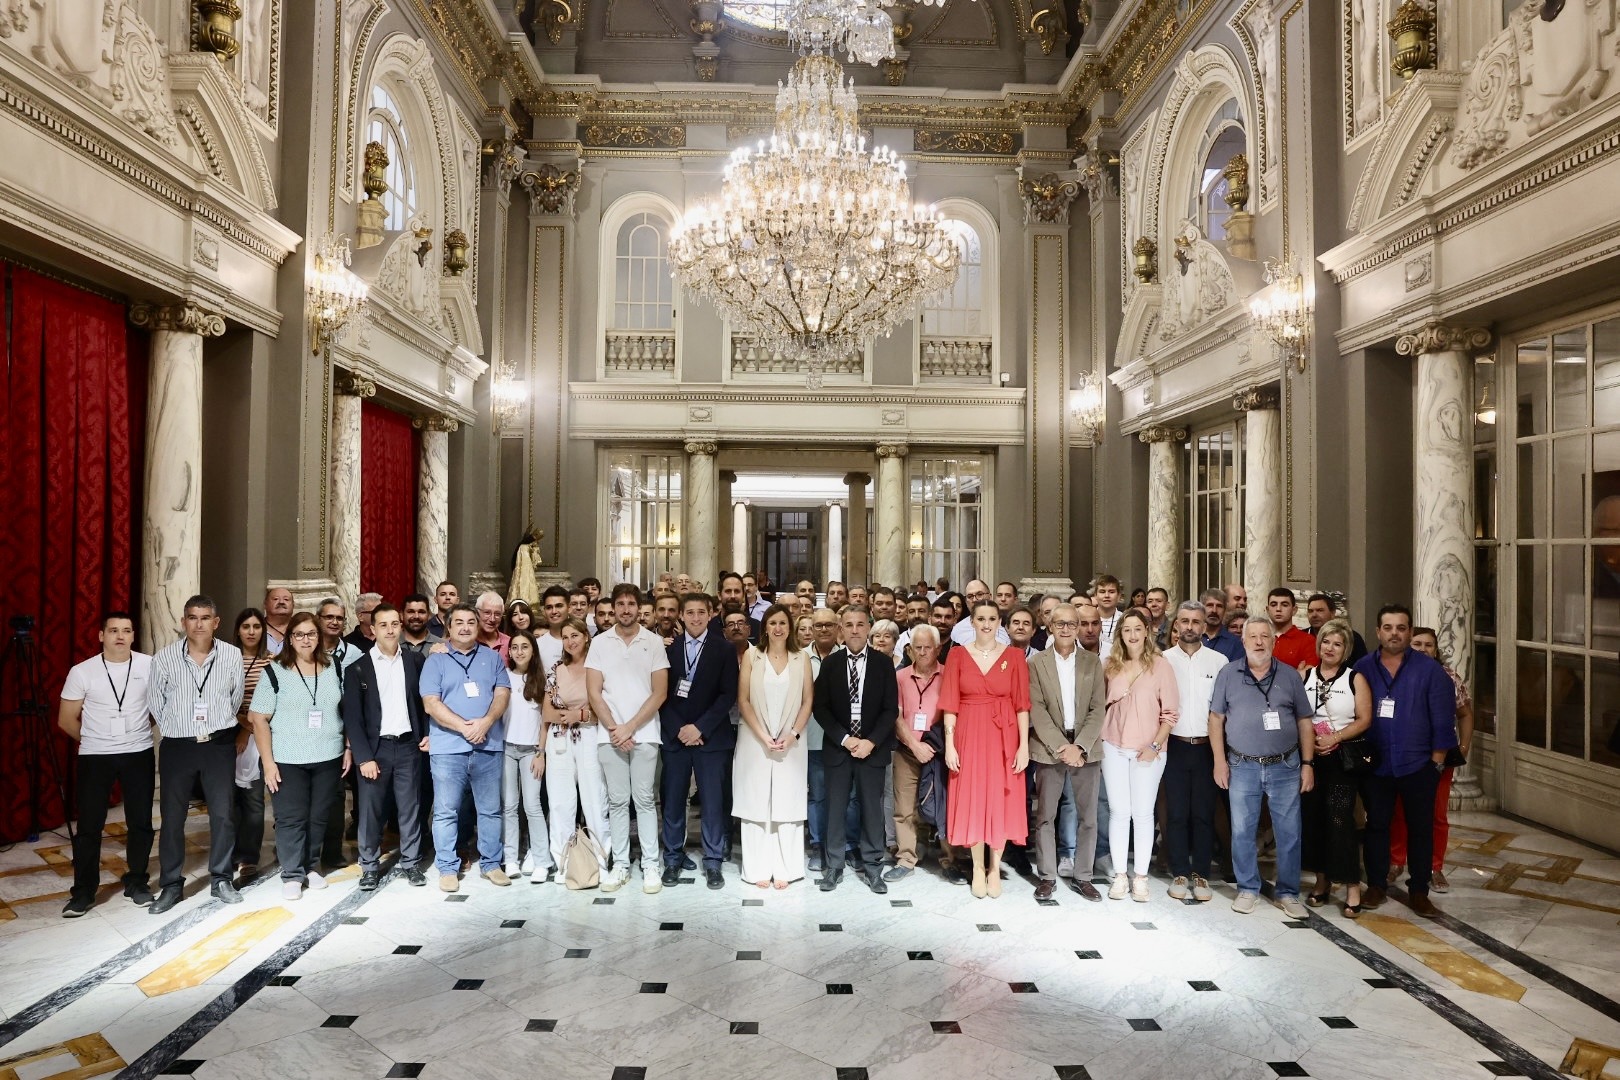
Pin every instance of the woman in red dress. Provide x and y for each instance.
(985, 701)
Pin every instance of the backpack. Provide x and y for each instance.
(582, 860)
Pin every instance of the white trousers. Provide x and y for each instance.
(574, 783)
(1133, 788)
(633, 777)
(772, 850)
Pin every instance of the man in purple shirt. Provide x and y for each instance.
(1414, 724)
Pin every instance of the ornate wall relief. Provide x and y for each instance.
(1364, 48)
(1255, 25)
(410, 276)
(1197, 283)
(258, 62)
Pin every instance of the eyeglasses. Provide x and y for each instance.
(1064, 624)
(331, 618)
(304, 635)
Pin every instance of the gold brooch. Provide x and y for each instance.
(1004, 665)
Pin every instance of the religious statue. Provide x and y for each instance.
(525, 583)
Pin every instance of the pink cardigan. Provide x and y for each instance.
(1135, 710)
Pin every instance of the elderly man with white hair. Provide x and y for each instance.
(491, 608)
(919, 747)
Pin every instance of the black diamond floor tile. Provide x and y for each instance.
(1071, 1072)
(339, 1021)
(919, 956)
(607, 901)
(1144, 1025)
(1381, 984)
(654, 988)
(857, 1073)
(1337, 1021)
(840, 988)
(183, 1067)
(671, 926)
(576, 954)
(1088, 954)
(753, 903)
(899, 903)
(540, 1025)
(1144, 926)
(989, 928)
(1254, 952)
(946, 1027)
(512, 924)
(1023, 988)
(750, 954)
(1202, 984)
(1287, 1068)
(1048, 902)
(456, 898)
(1500, 1068)
(832, 928)
(629, 1072)
(1296, 924)
(745, 1027)
(407, 950)
(407, 1068)
(468, 984)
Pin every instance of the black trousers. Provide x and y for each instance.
(1416, 791)
(183, 763)
(331, 846)
(1190, 796)
(864, 780)
(398, 787)
(302, 803)
(97, 775)
(711, 767)
(250, 822)
(1328, 813)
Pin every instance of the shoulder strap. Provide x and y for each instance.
(270, 673)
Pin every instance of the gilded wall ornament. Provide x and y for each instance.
(1412, 28)
(455, 252)
(967, 141)
(216, 28)
(1237, 182)
(374, 180)
(1046, 197)
(1145, 260)
(636, 136)
(551, 190)
(555, 17)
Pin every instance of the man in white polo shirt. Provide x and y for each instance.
(104, 711)
(627, 675)
(1189, 777)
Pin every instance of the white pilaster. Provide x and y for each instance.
(742, 551)
(349, 390)
(889, 565)
(1262, 491)
(698, 545)
(1165, 497)
(433, 502)
(835, 542)
(171, 549)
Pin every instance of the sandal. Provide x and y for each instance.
(1352, 911)
(1317, 899)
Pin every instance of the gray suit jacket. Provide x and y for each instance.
(1046, 732)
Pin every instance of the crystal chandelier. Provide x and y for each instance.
(861, 28)
(813, 246)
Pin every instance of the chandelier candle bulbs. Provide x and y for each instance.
(813, 246)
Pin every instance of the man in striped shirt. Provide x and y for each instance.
(195, 691)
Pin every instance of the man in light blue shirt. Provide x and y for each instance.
(465, 691)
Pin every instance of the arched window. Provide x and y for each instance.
(643, 291)
(959, 312)
(1223, 138)
(385, 123)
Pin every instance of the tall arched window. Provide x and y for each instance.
(643, 291)
(960, 311)
(1223, 138)
(385, 123)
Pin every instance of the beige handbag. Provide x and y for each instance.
(582, 860)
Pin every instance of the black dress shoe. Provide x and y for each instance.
(369, 880)
(874, 881)
(416, 877)
(140, 894)
(224, 892)
(954, 876)
(1085, 889)
(813, 861)
(716, 880)
(1045, 889)
(167, 897)
(672, 874)
(830, 882)
(897, 873)
(687, 863)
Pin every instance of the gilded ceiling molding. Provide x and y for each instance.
(967, 141)
(658, 136)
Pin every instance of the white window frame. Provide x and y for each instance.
(1231, 557)
(612, 570)
(917, 531)
(982, 222)
(386, 123)
(613, 218)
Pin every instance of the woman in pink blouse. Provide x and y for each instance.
(1143, 705)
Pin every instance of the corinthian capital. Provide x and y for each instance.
(183, 318)
(1439, 337)
(1157, 433)
(701, 447)
(1256, 397)
(1046, 197)
(349, 384)
(551, 190)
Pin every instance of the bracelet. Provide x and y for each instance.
(1307, 761)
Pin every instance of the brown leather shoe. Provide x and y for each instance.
(1045, 889)
(1422, 905)
(1085, 889)
(1373, 897)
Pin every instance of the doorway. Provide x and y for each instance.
(787, 543)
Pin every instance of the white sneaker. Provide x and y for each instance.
(512, 870)
(1139, 889)
(1119, 888)
(527, 866)
(1066, 867)
(1293, 908)
(316, 881)
(1245, 902)
(1178, 888)
(617, 880)
(651, 881)
(291, 890)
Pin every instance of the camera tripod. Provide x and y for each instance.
(25, 710)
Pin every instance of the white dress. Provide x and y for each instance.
(769, 788)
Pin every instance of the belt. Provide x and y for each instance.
(406, 737)
(1263, 759)
(219, 735)
(1194, 740)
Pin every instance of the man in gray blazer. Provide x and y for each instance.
(1067, 700)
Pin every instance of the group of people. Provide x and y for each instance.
(838, 732)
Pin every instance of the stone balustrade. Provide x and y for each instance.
(640, 352)
(956, 359)
(749, 358)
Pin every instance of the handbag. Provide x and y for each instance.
(1455, 758)
(582, 860)
(1357, 756)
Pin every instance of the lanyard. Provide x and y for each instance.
(692, 658)
(924, 688)
(1383, 674)
(1266, 685)
(117, 695)
(1326, 688)
(313, 689)
(209, 670)
(466, 669)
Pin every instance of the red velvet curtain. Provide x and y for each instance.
(72, 401)
(388, 460)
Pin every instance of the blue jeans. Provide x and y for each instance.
(454, 774)
(1280, 786)
(817, 800)
(1068, 823)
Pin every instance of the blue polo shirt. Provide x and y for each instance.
(1425, 717)
(1226, 643)
(447, 674)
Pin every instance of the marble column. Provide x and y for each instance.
(834, 561)
(726, 558)
(699, 544)
(171, 540)
(1443, 519)
(741, 547)
(1262, 491)
(892, 504)
(858, 566)
(433, 501)
(348, 391)
(1165, 500)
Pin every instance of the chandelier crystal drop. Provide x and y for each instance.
(813, 246)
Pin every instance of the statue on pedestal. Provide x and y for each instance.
(525, 583)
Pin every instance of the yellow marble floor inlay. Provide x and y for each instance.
(92, 1056)
(214, 953)
(1433, 953)
(1526, 872)
(1589, 1060)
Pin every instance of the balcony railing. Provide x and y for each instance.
(747, 358)
(640, 352)
(957, 359)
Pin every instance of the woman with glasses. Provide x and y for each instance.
(248, 808)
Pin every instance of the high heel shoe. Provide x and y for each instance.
(980, 886)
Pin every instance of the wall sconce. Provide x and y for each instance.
(455, 252)
(1282, 310)
(1086, 405)
(507, 397)
(1145, 264)
(1485, 410)
(335, 294)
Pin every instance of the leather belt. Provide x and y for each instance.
(1191, 740)
(397, 738)
(1263, 759)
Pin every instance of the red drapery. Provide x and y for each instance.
(388, 459)
(72, 414)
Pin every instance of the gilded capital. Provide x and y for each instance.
(892, 450)
(1256, 397)
(349, 384)
(1161, 433)
(1439, 337)
(183, 318)
(435, 422)
(1046, 197)
(701, 447)
(551, 190)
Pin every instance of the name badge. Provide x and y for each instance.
(470, 688)
(1272, 719)
(683, 688)
(314, 719)
(199, 713)
(919, 722)
(854, 713)
(1386, 708)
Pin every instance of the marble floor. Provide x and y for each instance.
(1521, 977)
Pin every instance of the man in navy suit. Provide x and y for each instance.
(698, 738)
(856, 702)
(387, 730)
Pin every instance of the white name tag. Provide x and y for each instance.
(919, 722)
(1386, 708)
(683, 688)
(199, 713)
(314, 719)
(854, 714)
(1272, 720)
(470, 688)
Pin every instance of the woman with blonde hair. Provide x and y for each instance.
(1143, 706)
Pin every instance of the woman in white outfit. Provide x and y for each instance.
(520, 780)
(771, 765)
(568, 746)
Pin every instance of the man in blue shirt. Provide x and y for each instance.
(464, 692)
(1216, 635)
(1414, 725)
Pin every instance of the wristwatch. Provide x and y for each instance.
(1156, 747)
(1307, 761)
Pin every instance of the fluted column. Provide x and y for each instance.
(891, 514)
(171, 547)
(859, 565)
(699, 544)
(1262, 491)
(433, 501)
(1165, 499)
(1443, 521)
(726, 558)
(349, 390)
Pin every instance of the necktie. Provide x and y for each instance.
(855, 693)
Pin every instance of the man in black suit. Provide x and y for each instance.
(695, 725)
(387, 730)
(856, 703)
